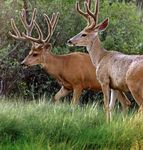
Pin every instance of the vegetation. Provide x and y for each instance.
(41, 126)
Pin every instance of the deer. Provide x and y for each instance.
(75, 71)
(114, 69)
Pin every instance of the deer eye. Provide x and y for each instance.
(83, 35)
(34, 55)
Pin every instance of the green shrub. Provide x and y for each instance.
(125, 30)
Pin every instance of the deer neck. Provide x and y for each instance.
(51, 64)
(96, 51)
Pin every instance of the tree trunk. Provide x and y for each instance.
(139, 3)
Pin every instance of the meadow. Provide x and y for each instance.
(43, 125)
(26, 124)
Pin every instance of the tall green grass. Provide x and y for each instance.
(42, 125)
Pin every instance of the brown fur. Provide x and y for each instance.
(68, 70)
(74, 71)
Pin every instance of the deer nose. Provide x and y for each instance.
(22, 63)
(69, 42)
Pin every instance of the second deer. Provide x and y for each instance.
(114, 70)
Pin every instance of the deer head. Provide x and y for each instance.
(40, 46)
(90, 32)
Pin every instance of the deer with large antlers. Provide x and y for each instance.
(114, 70)
(74, 71)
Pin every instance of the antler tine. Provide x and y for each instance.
(23, 19)
(88, 11)
(49, 27)
(15, 29)
(37, 40)
(33, 17)
(39, 31)
(28, 27)
(85, 15)
(89, 3)
(52, 18)
(93, 15)
(51, 24)
(54, 23)
(96, 10)
(31, 25)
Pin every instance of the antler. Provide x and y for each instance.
(85, 15)
(28, 27)
(51, 27)
(91, 17)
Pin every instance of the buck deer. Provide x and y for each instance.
(114, 70)
(74, 71)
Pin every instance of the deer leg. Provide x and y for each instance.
(136, 90)
(106, 92)
(138, 96)
(139, 99)
(121, 97)
(113, 98)
(123, 100)
(61, 93)
(76, 94)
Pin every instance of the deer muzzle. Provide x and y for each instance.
(69, 43)
(22, 63)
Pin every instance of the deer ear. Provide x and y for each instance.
(102, 26)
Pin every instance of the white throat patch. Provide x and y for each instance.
(88, 47)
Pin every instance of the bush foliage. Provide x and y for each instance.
(124, 34)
